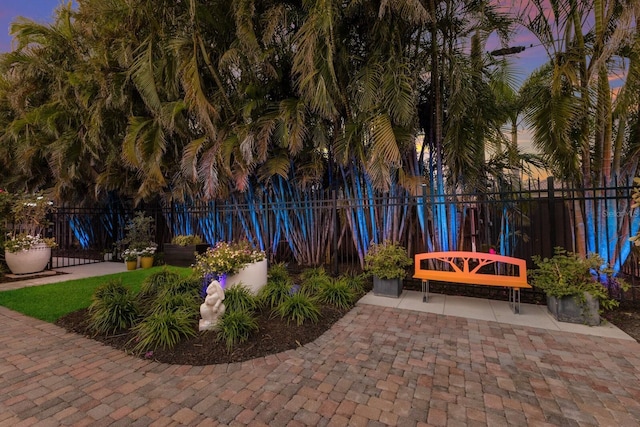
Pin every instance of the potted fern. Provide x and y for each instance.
(387, 263)
(182, 250)
(573, 285)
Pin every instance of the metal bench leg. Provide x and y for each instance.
(425, 290)
(514, 300)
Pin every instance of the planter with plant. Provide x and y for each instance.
(574, 286)
(26, 250)
(146, 256)
(130, 257)
(233, 263)
(182, 250)
(387, 263)
(138, 236)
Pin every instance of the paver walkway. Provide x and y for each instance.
(376, 366)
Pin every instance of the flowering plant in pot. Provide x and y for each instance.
(23, 242)
(148, 251)
(231, 263)
(387, 263)
(227, 258)
(130, 255)
(146, 255)
(26, 250)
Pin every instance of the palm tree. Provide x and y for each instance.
(576, 123)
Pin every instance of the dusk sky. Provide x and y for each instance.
(38, 10)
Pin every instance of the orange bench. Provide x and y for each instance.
(473, 268)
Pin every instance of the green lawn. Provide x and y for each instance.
(52, 301)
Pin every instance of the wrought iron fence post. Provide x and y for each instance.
(551, 198)
(425, 238)
(334, 219)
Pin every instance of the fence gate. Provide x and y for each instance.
(79, 235)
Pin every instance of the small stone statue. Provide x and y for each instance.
(212, 308)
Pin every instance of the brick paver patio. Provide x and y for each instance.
(377, 366)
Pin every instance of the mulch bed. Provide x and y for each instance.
(274, 336)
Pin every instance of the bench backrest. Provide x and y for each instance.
(471, 267)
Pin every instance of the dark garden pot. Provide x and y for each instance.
(387, 287)
(182, 256)
(573, 309)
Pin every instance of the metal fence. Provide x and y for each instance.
(335, 228)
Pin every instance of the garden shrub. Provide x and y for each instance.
(236, 327)
(337, 293)
(299, 308)
(187, 240)
(238, 298)
(163, 328)
(569, 274)
(113, 308)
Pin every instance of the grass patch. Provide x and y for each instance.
(52, 301)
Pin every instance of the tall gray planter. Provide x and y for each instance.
(182, 256)
(387, 287)
(572, 309)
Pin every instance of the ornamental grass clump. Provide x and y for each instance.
(157, 281)
(312, 283)
(278, 273)
(163, 328)
(189, 285)
(171, 307)
(337, 293)
(312, 272)
(355, 281)
(236, 327)
(113, 308)
(173, 302)
(298, 308)
(227, 258)
(278, 287)
(239, 298)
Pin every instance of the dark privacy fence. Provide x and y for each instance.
(335, 228)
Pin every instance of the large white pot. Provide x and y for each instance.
(253, 276)
(32, 260)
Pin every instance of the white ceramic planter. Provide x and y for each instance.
(253, 276)
(32, 260)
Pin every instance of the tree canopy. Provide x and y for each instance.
(198, 99)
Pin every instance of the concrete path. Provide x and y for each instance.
(376, 366)
(492, 310)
